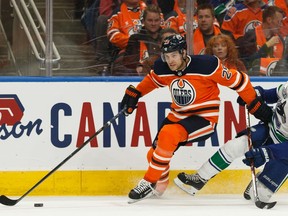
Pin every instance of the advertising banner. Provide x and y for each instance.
(43, 122)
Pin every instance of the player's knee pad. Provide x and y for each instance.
(274, 174)
(235, 148)
(170, 135)
(150, 154)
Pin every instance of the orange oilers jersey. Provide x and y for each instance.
(123, 24)
(278, 49)
(240, 18)
(144, 54)
(268, 63)
(177, 20)
(196, 91)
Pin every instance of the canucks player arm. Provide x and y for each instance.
(269, 96)
(274, 173)
(266, 153)
(272, 95)
(279, 151)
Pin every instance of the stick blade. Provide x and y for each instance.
(6, 201)
(263, 205)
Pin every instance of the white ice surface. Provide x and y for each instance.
(184, 205)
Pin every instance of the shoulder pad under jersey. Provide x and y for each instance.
(199, 64)
(202, 64)
(161, 68)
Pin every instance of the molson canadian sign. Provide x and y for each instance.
(43, 122)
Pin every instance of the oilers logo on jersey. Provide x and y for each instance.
(271, 67)
(137, 25)
(183, 93)
(251, 25)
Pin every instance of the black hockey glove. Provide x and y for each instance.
(259, 93)
(240, 101)
(259, 156)
(260, 110)
(130, 99)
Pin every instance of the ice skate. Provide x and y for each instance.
(143, 190)
(191, 184)
(246, 193)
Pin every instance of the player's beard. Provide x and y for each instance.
(183, 64)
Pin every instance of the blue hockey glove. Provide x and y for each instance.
(259, 155)
(130, 99)
(240, 101)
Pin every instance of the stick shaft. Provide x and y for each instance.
(6, 201)
(252, 167)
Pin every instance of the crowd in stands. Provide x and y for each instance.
(250, 35)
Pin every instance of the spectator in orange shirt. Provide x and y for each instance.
(106, 8)
(262, 47)
(224, 48)
(176, 19)
(125, 22)
(144, 47)
(206, 28)
(243, 16)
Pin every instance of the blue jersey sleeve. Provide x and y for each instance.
(268, 95)
(271, 96)
(280, 151)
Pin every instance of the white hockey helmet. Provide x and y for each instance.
(282, 91)
(280, 118)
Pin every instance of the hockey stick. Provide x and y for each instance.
(258, 202)
(11, 202)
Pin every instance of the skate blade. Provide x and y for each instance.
(187, 188)
(131, 201)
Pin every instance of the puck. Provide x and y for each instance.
(38, 204)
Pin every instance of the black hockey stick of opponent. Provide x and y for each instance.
(258, 202)
(11, 202)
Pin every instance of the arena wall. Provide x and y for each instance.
(44, 120)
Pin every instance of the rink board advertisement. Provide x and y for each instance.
(43, 121)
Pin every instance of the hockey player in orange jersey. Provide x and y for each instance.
(193, 84)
